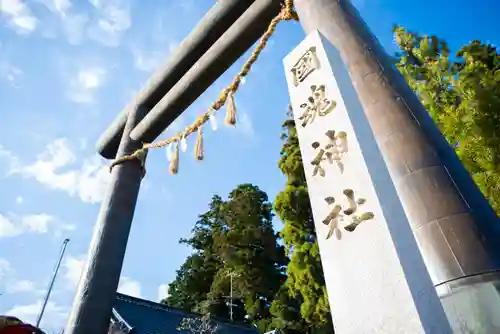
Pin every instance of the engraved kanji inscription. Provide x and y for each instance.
(351, 211)
(347, 215)
(332, 220)
(333, 151)
(305, 66)
(317, 105)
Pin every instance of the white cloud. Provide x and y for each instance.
(11, 284)
(9, 158)
(83, 86)
(27, 313)
(51, 170)
(106, 24)
(74, 26)
(7, 227)
(10, 72)
(13, 74)
(73, 267)
(37, 223)
(91, 78)
(113, 19)
(162, 291)
(5, 268)
(21, 286)
(60, 7)
(11, 226)
(129, 287)
(149, 61)
(19, 16)
(96, 3)
(71, 23)
(54, 314)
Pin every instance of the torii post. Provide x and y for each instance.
(200, 59)
(458, 238)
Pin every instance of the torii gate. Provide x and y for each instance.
(432, 245)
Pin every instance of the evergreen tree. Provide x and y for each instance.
(194, 279)
(234, 237)
(463, 97)
(248, 247)
(305, 285)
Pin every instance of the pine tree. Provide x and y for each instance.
(463, 97)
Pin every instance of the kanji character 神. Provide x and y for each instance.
(332, 152)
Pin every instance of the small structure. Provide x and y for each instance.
(138, 316)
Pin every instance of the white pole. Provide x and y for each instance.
(231, 297)
(51, 285)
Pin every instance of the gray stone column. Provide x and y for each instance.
(96, 292)
(454, 226)
(376, 277)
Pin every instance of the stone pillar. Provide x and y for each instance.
(376, 277)
(96, 292)
(455, 228)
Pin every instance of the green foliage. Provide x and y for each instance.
(463, 97)
(194, 279)
(247, 246)
(302, 305)
(234, 237)
(283, 286)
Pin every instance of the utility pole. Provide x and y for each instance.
(231, 274)
(51, 284)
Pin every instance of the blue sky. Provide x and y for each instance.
(67, 67)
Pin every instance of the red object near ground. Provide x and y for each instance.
(12, 325)
(20, 329)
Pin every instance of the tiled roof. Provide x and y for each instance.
(146, 317)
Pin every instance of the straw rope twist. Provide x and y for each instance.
(287, 13)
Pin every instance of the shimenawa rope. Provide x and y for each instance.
(287, 13)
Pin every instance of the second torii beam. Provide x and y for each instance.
(215, 22)
(235, 41)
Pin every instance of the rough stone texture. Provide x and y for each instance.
(376, 278)
(96, 292)
(433, 185)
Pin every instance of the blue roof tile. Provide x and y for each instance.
(147, 317)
